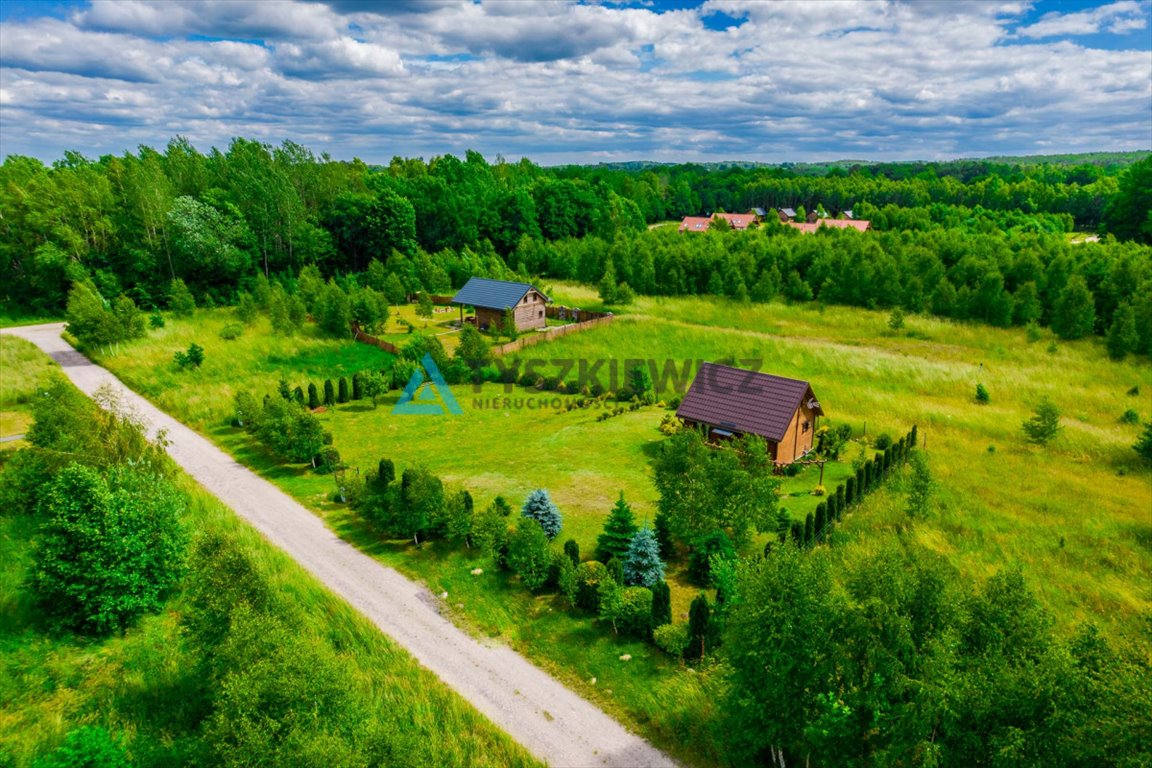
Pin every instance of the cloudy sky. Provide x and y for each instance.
(580, 81)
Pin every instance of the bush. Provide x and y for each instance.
(342, 390)
(1130, 417)
(529, 554)
(819, 490)
(357, 386)
(86, 747)
(700, 559)
(329, 393)
(700, 628)
(572, 550)
(180, 299)
(661, 603)
(313, 397)
(589, 576)
(671, 638)
(232, 331)
(156, 320)
(111, 550)
(633, 615)
(193, 358)
(882, 442)
(328, 460)
(982, 395)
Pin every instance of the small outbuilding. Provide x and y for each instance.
(491, 298)
(729, 402)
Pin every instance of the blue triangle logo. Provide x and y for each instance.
(435, 399)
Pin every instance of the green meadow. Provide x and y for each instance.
(1074, 514)
(142, 685)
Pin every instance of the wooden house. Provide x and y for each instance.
(728, 402)
(491, 298)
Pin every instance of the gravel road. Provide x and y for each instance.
(553, 723)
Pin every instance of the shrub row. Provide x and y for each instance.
(817, 526)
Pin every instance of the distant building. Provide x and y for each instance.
(695, 224)
(729, 402)
(491, 298)
(702, 223)
(860, 225)
(786, 214)
(760, 212)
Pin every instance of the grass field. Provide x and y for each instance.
(1076, 515)
(139, 685)
(21, 367)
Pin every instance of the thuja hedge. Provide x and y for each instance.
(868, 478)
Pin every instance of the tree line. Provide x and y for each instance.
(132, 224)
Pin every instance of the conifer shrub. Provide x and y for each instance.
(329, 393)
(342, 390)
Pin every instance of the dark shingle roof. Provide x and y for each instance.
(744, 401)
(492, 294)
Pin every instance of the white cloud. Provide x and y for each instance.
(564, 82)
(1121, 17)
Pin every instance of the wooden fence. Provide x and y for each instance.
(365, 338)
(557, 330)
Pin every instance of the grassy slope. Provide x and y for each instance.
(1015, 504)
(139, 684)
(21, 366)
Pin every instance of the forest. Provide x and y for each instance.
(970, 240)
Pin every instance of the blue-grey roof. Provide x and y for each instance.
(492, 294)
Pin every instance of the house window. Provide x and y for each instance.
(541, 313)
(804, 427)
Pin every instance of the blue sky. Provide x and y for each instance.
(669, 80)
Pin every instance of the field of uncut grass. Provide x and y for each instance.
(1076, 515)
(139, 685)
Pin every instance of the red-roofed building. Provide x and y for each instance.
(695, 224)
(738, 221)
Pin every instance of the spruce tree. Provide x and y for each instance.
(313, 397)
(180, 299)
(661, 604)
(1122, 337)
(809, 530)
(357, 386)
(540, 508)
(329, 393)
(298, 395)
(642, 564)
(840, 500)
(572, 550)
(912, 436)
(342, 390)
(796, 533)
(821, 522)
(1143, 445)
(619, 529)
(849, 490)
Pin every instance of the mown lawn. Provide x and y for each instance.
(1076, 515)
